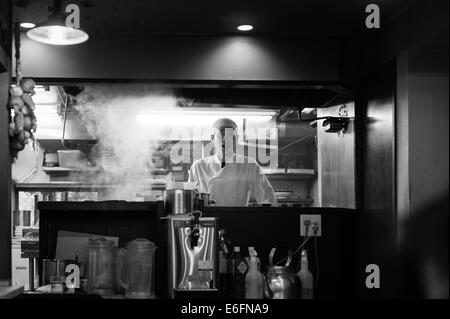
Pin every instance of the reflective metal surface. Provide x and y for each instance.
(281, 284)
(192, 253)
(178, 201)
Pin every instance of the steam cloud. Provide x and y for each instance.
(123, 151)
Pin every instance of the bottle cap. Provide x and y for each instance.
(304, 255)
(252, 251)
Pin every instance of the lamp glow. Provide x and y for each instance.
(27, 25)
(245, 27)
(58, 35)
(195, 124)
(54, 31)
(203, 119)
(197, 117)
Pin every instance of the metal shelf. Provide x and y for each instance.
(59, 170)
(294, 175)
(56, 170)
(74, 186)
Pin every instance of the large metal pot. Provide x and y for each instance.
(178, 201)
(280, 282)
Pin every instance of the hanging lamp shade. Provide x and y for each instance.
(54, 31)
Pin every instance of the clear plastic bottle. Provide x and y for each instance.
(306, 278)
(252, 252)
(254, 281)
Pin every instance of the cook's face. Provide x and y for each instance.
(225, 140)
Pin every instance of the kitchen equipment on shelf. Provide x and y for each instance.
(51, 159)
(137, 263)
(105, 159)
(192, 250)
(179, 198)
(282, 194)
(206, 199)
(100, 266)
(72, 159)
(159, 160)
(21, 218)
(280, 282)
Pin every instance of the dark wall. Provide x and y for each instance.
(415, 24)
(128, 56)
(5, 181)
(338, 255)
(384, 163)
(5, 162)
(262, 228)
(428, 126)
(377, 147)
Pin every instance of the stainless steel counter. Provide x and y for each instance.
(8, 292)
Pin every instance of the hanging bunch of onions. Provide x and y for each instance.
(23, 123)
(21, 105)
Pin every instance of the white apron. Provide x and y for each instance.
(228, 187)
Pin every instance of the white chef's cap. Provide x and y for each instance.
(224, 123)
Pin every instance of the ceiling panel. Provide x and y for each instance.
(281, 17)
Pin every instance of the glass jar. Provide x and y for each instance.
(100, 266)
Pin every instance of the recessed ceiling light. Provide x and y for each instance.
(245, 27)
(27, 25)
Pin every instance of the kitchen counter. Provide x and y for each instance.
(77, 295)
(260, 227)
(8, 292)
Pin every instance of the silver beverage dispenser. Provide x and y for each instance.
(192, 255)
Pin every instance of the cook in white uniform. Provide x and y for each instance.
(231, 179)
